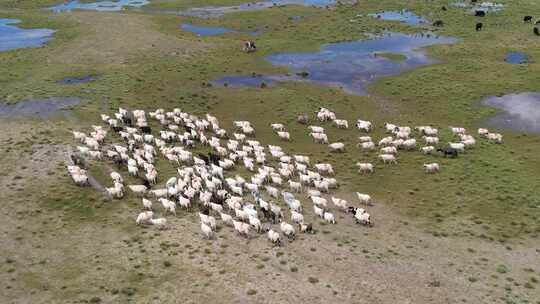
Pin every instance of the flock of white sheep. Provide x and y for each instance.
(207, 182)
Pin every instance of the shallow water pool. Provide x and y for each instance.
(348, 65)
(401, 16)
(38, 107)
(102, 6)
(521, 111)
(13, 37)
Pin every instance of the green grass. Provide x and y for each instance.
(493, 183)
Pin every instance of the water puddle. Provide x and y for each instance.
(205, 30)
(516, 58)
(348, 65)
(484, 6)
(41, 108)
(401, 16)
(102, 6)
(12, 37)
(521, 112)
(78, 79)
(218, 11)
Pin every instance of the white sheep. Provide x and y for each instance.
(226, 218)
(340, 203)
(138, 189)
(206, 230)
(284, 135)
(457, 131)
(495, 137)
(297, 217)
(427, 149)
(388, 150)
(365, 139)
(341, 123)
(483, 131)
(363, 125)
(337, 147)
(388, 158)
(319, 137)
(386, 141)
(365, 167)
(147, 204)
(287, 229)
(318, 211)
(161, 223)
(144, 217)
(366, 146)
(329, 217)
(295, 186)
(316, 129)
(431, 140)
(277, 127)
(432, 168)
(364, 198)
(274, 237)
(457, 146)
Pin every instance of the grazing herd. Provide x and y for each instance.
(206, 182)
(483, 13)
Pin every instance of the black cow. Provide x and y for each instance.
(146, 183)
(127, 121)
(438, 23)
(146, 130)
(249, 46)
(214, 158)
(448, 152)
(480, 13)
(78, 160)
(536, 32)
(527, 19)
(203, 157)
(479, 26)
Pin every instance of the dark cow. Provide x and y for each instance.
(309, 228)
(480, 13)
(203, 157)
(78, 160)
(527, 19)
(479, 26)
(438, 23)
(448, 152)
(146, 130)
(127, 121)
(536, 32)
(249, 46)
(146, 183)
(213, 158)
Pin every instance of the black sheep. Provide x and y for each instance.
(146, 130)
(438, 23)
(480, 13)
(448, 152)
(479, 26)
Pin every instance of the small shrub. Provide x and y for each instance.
(251, 292)
(313, 280)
